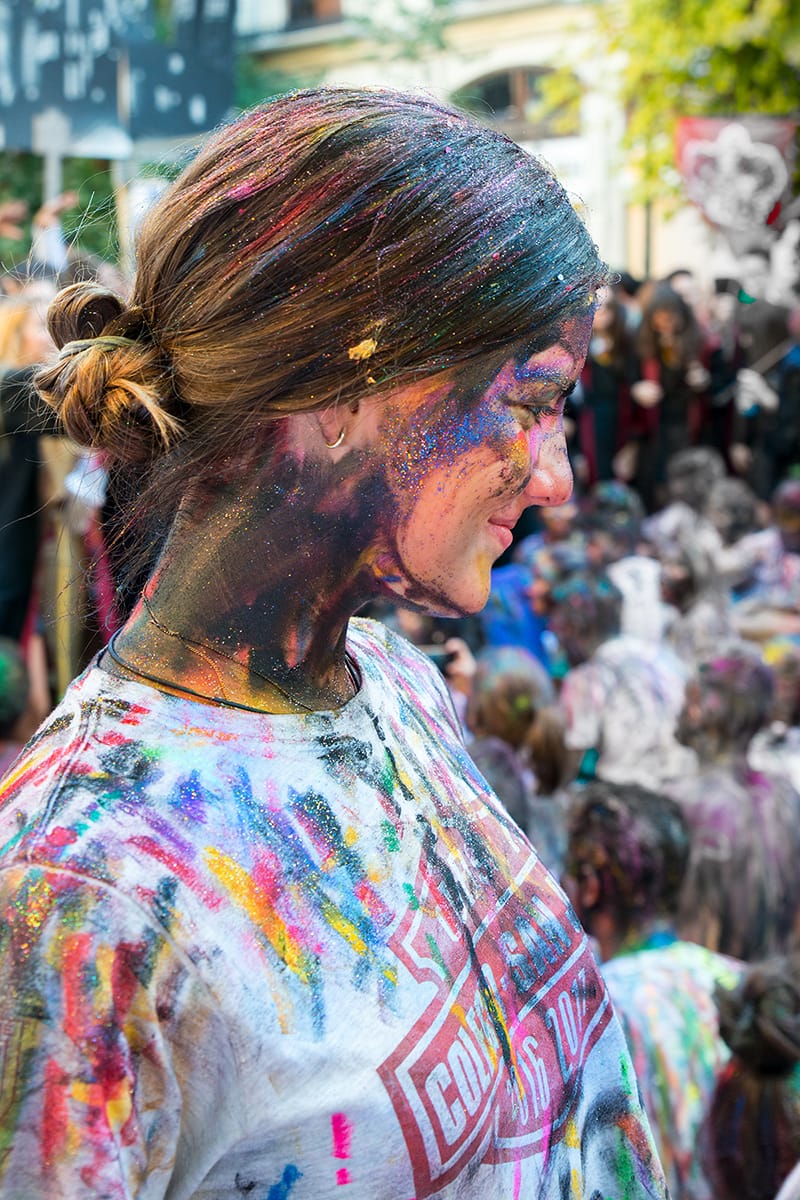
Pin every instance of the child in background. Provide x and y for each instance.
(628, 850)
(751, 1139)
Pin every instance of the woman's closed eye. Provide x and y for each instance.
(539, 407)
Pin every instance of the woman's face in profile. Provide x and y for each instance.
(463, 459)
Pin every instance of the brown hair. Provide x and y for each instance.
(319, 246)
(636, 843)
(510, 686)
(751, 1137)
(512, 700)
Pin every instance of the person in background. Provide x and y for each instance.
(626, 857)
(24, 342)
(627, 291)
(612, 519)
(750, 1143)
(741, 894)
(775, 749)
(267, 931)
(602, 399)
(672, 391)
(690, 476)
(761, 439)
(764, 566)
(509, 618)
(513, 703)
(699, 616)
(726, 358)
(622, 696)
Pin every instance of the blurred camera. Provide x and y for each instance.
(438, 655)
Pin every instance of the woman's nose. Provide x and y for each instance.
(551, 473)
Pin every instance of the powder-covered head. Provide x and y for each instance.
(509, 688)
(585, 610)
(634, 845)
(728, 700)
(751, 1138)
(691, 472)
(612, 515)
(732, 508)
(782, 656)
(326, 244)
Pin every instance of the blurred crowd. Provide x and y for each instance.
(631, 691)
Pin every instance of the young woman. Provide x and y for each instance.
(604, 417)
(669, 399)
(267, 932)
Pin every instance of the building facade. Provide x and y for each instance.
(489, 56)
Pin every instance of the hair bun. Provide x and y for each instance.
(109, 383)
(760, 1017)
(82, 310)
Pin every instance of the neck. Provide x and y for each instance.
(252, 595)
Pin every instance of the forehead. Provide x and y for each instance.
(556, 363)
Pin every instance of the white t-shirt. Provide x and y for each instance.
(625, 702)
(294, 958)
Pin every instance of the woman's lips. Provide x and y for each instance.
(503, 531)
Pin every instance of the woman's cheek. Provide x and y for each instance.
(517, 455)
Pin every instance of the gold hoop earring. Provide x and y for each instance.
(338, 442)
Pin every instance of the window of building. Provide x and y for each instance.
(514, 100)
(304, 13)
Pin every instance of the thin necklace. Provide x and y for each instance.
(114, 654)
(198, 647)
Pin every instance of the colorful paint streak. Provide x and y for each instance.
(342, 1134)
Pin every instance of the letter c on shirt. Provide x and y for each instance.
(452, 1118)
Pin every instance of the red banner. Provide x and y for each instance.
(737, 171)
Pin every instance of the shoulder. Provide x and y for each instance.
(678, 973)
(89, 778)
(398, 672)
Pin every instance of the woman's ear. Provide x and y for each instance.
(332, 425)
(351, 426)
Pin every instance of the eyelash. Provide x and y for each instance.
(549, 410)
(536, 412)
(543, 410)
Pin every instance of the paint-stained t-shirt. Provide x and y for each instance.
(624, 702)
(664, 997)
(294, 958)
